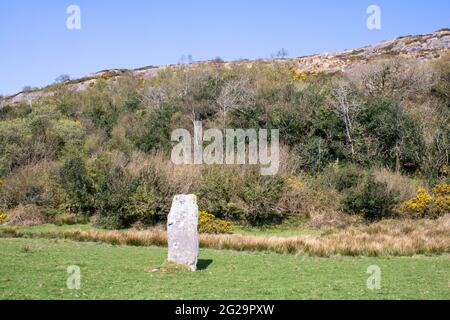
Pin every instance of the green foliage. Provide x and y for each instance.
(157, 130)
(396, 134)
(83, 131)
(371, 199)
(69, 219)
(242, 196)
(104, 118)
(344, 177)
(76, 182)
(150, 199)
(313, 155)
(111, 198)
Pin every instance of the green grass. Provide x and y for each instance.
(51, 227)
(286, 229)
(290, 227)
(37, 269)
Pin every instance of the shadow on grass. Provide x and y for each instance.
(202, 264)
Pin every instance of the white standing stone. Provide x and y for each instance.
(182, 232)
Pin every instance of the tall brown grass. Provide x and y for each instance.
(406, 186)
(28, 215)
(390, 237)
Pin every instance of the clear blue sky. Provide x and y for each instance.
(36, 47)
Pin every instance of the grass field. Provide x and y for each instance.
(37, 269)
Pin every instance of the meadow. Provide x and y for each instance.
(87, 178)
(37, 269)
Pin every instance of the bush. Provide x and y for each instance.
(371, 199)
(3, 217)
(405, 184)
(427, 205)
(110, 222)
(343, 177)
(28, 215)
(208, 223)
(157, 130)
(69, 219)
(75, 181)
(398, 136)
(111, 199)
(242, 195)
(30, 185)
(151, 196)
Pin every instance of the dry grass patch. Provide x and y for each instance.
(390, 237)
(28, 215)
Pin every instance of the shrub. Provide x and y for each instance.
(440, 206)
(30, 185)
(398, 136)
(75, 181)
(343, 177)
(109, 222)
(424, 204)
(208, 223)
(371, 199)
(28, 215)
(261, 195)
(406, 185)
(418, 205)
(111, 198)
(133, 189)
(314, 154)
(157, 130)
(3, 217)
(151, 196)
(218, 192)
(242, 195)
(69, 219)
(293, 199)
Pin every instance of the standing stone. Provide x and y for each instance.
(182, 232)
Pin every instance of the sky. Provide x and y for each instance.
(36, 46)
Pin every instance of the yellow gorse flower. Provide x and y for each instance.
(3, 217)
(442, 189)
(295, 184)
(420, 202)
(208, 223)
(425, 204)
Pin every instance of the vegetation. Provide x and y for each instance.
(389, 237)
(37, 269)
(208, 223)
(426, 205)
(353, 145)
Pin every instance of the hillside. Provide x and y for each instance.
(359, 136)
(418, 47)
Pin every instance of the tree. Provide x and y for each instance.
(74, 179)
(236, 93)
(281, 54)
(29, 89)
(347, 106)
(62, 78)
(398, 136)
(153, 97)
(396, 78)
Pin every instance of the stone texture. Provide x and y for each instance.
(182, 231)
